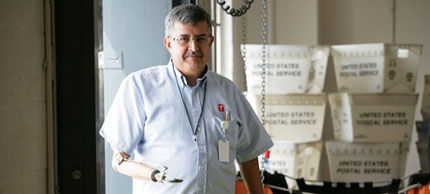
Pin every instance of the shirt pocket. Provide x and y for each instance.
(231, 133)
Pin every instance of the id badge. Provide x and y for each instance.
(224, 151)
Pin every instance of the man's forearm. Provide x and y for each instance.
(251, 176)
(123, 165)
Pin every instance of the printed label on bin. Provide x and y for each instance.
(383, 122)
(359, 162)
(302, 67)
(278, 73)
(295, 123)
(360, 169)
(296, 118)
(373, 117)
(359, 68)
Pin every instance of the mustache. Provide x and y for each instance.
(193, 54)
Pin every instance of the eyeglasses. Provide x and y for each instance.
(202, 40)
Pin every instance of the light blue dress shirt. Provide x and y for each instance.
(148, 118)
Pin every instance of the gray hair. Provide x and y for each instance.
(186, 14)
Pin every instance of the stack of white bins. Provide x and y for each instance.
(423, 127)
(294, 105)
(373, 113)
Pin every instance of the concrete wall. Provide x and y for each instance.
(23, 163)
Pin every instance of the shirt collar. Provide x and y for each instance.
(180, 78)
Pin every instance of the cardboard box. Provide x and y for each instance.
(295, 160)
(364, 162)
(372, 117)
(297, 118)
(303, 67)
(376, 68)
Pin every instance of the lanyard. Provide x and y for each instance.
(194, 132)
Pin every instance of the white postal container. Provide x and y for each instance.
(425, 104)
(290, 69)
(376, 68)
(295, 160)
(372, 117)
(297, 118)
(363, 162)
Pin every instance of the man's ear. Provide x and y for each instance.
(167, 43)
(211, 40)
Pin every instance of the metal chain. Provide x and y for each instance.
(263, 75)
(245, 86)
(263, 59)
(246, 4)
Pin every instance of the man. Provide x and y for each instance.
(186, 118)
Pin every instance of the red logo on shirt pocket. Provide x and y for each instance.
(221, 107)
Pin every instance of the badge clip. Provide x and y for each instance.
(225, 124)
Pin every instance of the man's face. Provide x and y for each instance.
(189, 47)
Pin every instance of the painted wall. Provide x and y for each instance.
(126, 35)
(23, 161)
